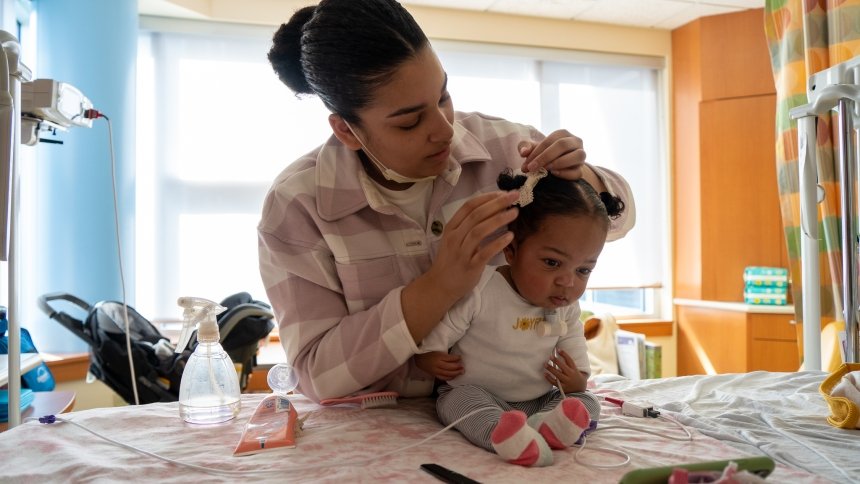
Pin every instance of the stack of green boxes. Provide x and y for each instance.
(766, 285)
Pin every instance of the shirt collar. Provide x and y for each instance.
(340, 191)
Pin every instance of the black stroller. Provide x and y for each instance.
(157, 368)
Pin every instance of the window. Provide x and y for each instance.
(216, 126)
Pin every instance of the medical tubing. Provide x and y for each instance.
(92, 114)
(279, 471)
(50, 419)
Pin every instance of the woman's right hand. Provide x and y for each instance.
(463, 253)
(465, 250)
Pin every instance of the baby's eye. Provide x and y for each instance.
(585, 271)
(551, 263)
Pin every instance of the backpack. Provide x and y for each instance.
(157, 367)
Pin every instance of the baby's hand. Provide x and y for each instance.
(561, 370)
(441, 365)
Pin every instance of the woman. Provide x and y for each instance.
(367, 241)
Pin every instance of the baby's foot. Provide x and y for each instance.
(518, 443)
(562, 426)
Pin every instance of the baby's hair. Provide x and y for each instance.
(558, 196)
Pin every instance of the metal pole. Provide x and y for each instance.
(809, 261)
(848, 174)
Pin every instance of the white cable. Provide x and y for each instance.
(121, 270)
(576, 456)
(279, 471)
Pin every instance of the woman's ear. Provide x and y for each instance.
(343, 133)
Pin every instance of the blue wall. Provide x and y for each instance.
(92, 45)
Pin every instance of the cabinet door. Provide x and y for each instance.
(711, 341)
(741, 221)
(773, 343)
(734, 55)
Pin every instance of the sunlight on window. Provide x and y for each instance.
(220, 256)
(482, 94)
(216, 126)
(238, 135)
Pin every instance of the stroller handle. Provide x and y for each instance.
(74, 325)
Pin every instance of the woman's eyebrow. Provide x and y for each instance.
(417, 107)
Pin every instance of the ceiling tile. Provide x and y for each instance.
(457, 4)
(565, 9)
(692, 13)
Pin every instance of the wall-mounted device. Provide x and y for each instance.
(48, 105)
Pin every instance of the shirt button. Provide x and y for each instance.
(436, 227)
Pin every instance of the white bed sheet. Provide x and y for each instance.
(739, 410)
(781, 415)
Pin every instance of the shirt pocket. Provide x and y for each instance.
(366, 282)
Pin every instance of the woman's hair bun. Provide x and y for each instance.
(286, 52)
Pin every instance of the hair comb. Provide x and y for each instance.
(366, 400)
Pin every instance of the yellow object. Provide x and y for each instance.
(843, 412)
(831, 356)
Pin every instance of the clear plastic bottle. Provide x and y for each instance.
(209, 389)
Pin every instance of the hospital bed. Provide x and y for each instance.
(730, 416)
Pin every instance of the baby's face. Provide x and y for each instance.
(550, 268)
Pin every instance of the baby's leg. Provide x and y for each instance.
(455, 402)
(495, 428)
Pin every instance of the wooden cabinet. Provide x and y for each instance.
(716, 337)
(726, 204)
(726, 199)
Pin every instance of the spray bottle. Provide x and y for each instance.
(209, 389)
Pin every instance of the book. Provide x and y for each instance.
(653, 360)
(631, 354)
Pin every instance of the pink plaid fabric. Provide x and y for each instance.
(334, 256)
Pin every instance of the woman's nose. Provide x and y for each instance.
(442, 130)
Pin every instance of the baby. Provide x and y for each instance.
(517, 348)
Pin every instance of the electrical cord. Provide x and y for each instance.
(243, 473)
(94, 114)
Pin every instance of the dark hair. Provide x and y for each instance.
(558, 196)
(342, 50)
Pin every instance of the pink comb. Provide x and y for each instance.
(367, 400)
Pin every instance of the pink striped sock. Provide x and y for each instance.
(563, 425)
(518, 443)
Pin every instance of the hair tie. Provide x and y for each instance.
(527, 195)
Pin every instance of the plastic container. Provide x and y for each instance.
(209, 390)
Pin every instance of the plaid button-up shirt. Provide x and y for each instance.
(335, 254)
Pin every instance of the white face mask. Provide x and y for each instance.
(386, 172)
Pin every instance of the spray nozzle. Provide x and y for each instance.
(198, 311)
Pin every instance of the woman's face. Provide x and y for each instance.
(409, 124)
(550, 268)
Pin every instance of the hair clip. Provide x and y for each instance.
(527, 195)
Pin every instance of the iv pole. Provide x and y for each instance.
(12, 73)
(834, 88)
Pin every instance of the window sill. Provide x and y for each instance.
(648, 327)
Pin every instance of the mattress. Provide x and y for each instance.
(781, 415)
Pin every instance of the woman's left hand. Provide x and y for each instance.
(560, 153)
(561, 371)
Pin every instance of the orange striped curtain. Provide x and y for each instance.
(804, 37)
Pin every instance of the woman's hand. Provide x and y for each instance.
(463, 253)
(442, 366)
(465, 250)
(561, 371)
(562, 154)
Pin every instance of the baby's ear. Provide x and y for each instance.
(510, 250)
